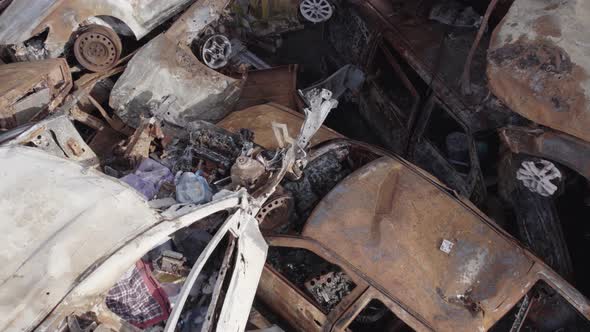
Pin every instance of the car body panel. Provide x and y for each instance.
(27, 18)
(384, 225)
(418, 41)
(277, 292)
(538, 63)
(259, 119)
(51, 233)
(406, 57)
(250, 257)
(277, 84)
(26, 89)
(384, 212)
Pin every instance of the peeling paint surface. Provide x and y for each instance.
(51, 233)
(539, 63)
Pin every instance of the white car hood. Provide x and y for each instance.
(57, 220)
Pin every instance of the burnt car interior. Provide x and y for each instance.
(424, 108)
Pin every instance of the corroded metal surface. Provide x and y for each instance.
(276, 85)
(289, 302)
(538, 63)
(565, 149)
(387, 214)
(259, 120)
(167, 80)
(21, 80)
(438, 60)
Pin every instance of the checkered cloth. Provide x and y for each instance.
(138, 299)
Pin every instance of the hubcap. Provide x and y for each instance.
(316, 11)
(216, 51)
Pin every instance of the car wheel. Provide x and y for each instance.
(97, 48)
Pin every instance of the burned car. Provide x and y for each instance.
(366, 241)
(30, 90)
(190, 185)
(114, 254)
(34, 30)
(175, 77)
(63, 262)
(484, 96)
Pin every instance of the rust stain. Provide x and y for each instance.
(470, 289)
(22, 79)
(547, 25)
(538, 80)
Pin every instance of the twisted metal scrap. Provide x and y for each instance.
(537, 176)
(321, 103)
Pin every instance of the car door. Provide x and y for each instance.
(306, 285)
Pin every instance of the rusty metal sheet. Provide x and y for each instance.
(565, 149)
(538, 63)
(426, 249)
(21, 81)
(288, 302)
(167, 81)
(277, 85)
(433, 257)
(259, 119)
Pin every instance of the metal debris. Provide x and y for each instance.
(330, 288)
(320, 104)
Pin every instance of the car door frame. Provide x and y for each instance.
(297, 242)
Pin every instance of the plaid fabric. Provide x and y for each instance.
(138, 299)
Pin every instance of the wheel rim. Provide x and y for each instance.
(98, 48)
(316, 11)
(216, 51)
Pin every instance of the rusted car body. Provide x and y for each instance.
(23, 20)
(538, 67)
(165, 78)
(534, 65)
(410, 94)
(56, 269)
(57, 273)
(29, 89)
(415, 102)
(384, 225)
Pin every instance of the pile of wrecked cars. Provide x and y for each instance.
(159, 175)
